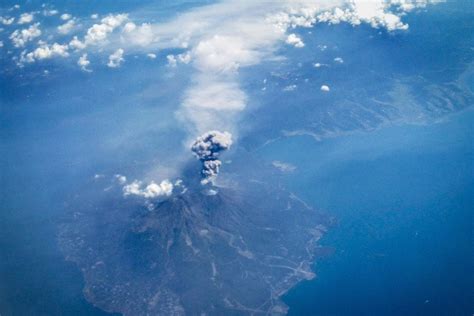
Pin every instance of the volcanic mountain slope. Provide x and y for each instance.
(234, 252)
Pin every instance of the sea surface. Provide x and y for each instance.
(404, 200)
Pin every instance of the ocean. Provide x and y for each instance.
(403, 197)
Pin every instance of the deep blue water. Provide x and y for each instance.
(404, 198)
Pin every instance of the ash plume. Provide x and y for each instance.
(207, 149)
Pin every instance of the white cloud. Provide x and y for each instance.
(129, 27)
(290, 88)
(211, 103)
(94, 16)
(46, 52)
(283, 166)
(225, 53)
(98, 33)
(121, 178)
(377, 13)
(6, 20)
(302, 15)
(325, 88)
(114, 21)
(184, 58)
(21, 37)
(138, 35)
(339, 60)
(66, 27)
(216, 96)
(65, 16)
(294, 40)
(77, 44)
(50, 12)
(1, 43)
(26, 18)
(152, 190)
(116, 59)
(83, 62)
(173, 60)
(151, 55)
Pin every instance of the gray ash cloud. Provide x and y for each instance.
(207, 149)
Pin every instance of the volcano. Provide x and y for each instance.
(235, 249)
